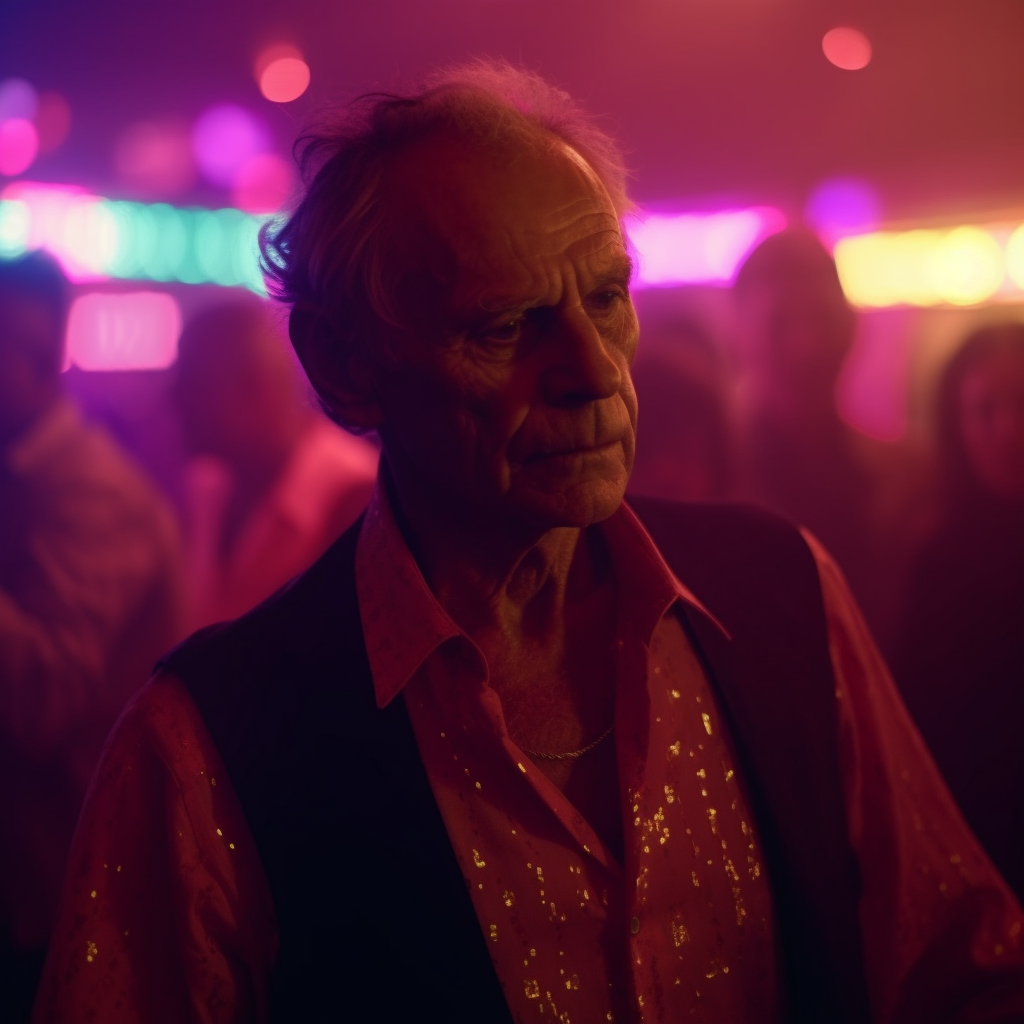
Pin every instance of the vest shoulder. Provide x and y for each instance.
(300, 623)
(716, 524)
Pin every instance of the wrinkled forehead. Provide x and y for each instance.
(465, 208)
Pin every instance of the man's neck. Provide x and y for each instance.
(495, 577)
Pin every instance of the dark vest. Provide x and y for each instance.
(375, 920)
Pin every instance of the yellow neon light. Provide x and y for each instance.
(962, 266)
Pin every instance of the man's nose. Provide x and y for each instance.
(583, 367)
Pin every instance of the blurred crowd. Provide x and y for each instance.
(98, 577)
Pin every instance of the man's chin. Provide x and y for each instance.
(580, 506)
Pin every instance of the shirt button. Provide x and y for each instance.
(634, 925)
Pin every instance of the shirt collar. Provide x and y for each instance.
(404, 623)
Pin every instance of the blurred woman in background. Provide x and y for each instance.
(961, 660)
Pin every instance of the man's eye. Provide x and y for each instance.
(607, 298)
(503, 333)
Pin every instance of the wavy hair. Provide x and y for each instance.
(331, 253)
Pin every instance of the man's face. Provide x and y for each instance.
(510, 398)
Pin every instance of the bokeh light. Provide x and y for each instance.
(18, 99)
(966, 267)
(19, 144)
(94, 238)
(697, 247)
(123, 331)
(52, 121)
(263, 184)
(284, 79)
(1015, 257)
(224, 137)
(153, 159)
(963, 266)
(842, 206)
(847, 48)
(15, 223)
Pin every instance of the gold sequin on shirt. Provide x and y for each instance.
(678, 932)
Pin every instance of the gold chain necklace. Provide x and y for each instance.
(572, 754)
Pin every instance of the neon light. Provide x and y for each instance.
(284, 79)
(19, 144)
(223, 138)
(95, 239)
(842, 206)
(1015, 257)
(123, 331)
(962, 266)
(966, 267)
(692, 248)
(15, 227)
(847, 48)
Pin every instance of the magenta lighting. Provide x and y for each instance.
(697, 248)
(123, 331)
(224, 138)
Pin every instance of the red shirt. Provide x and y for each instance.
(167, 915)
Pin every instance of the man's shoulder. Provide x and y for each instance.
(284, 650)
(750, 568)
(722, 533)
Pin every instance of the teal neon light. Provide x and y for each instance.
(97, 238)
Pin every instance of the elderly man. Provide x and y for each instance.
(499, 755)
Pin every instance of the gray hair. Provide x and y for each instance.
(330, 254)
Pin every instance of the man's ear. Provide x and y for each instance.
(339, 375)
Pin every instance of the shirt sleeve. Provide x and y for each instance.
(942, 931)
(166, 915)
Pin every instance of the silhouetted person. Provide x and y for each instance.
(272, 483)
(685, 444)
(857, 495)
(491, 758)
(961, 655)
(89, 598)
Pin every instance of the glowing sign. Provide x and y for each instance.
(847, 48)
(95, 239)
(694, 248)
(962, 266)
(123, 331)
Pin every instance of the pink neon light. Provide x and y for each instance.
(695, 248)
(123, 331)
(19, 144)
(66, 221)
